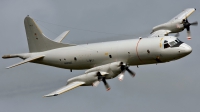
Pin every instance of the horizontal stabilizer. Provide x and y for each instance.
(65, 88)
(26, 60)
(61, 36)
(9, 56)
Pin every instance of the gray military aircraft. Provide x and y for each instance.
(105, 60)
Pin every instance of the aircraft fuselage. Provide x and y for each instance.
(132, 52)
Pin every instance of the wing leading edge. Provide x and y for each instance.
(184, 14)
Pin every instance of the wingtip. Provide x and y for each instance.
(50, 95)
(46, 96)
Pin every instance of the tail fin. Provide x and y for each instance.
(37, 41)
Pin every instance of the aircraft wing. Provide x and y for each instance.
(184, 14)
(66, 88)
(175, 25)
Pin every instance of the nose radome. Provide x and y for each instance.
(187, 48)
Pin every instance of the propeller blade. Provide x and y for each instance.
(121, 76)
(96, 83)
(189, 35)
(188, 28)
(130, 72)
(106, 84)
(194, 23)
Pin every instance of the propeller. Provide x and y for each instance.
(186, 25)
(106, 84)
(124, 68)
(101, 78)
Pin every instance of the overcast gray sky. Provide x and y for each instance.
(169, 87)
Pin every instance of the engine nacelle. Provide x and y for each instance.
(174, 26)
(111, 70)
(88, 78)
(108, 71)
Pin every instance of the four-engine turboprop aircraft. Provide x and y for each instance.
(105, 60)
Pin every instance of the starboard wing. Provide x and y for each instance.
(172, 26)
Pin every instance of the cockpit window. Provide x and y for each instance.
(172, 43)
(166, 45)
(165, 41)
(175, 43)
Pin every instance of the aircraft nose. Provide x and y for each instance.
(186, 48)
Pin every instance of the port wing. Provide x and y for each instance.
(66, 88)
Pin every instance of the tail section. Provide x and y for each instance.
(37, 41)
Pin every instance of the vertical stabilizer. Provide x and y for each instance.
(37, 42)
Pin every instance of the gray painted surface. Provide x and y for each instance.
(165, 87)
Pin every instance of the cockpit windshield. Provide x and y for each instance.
(174, 43)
